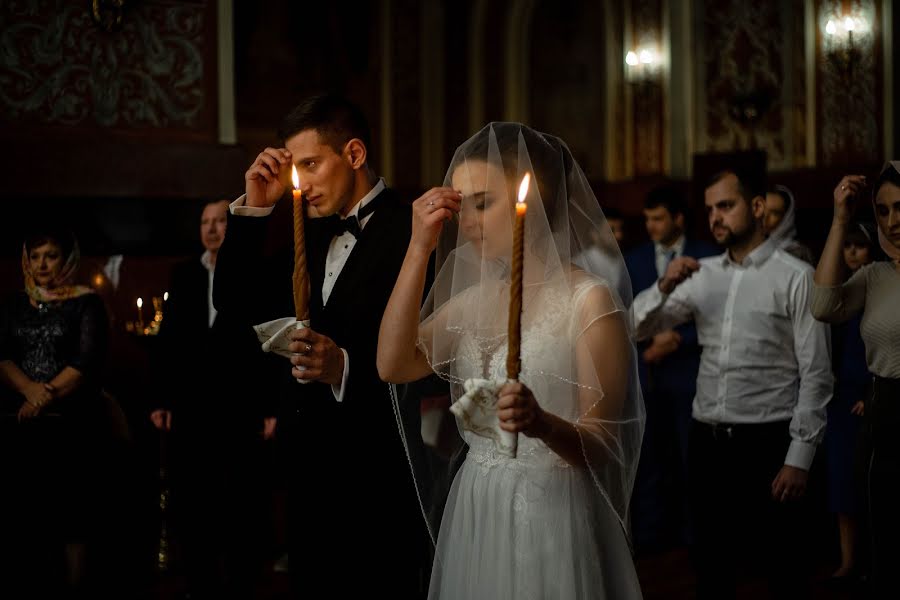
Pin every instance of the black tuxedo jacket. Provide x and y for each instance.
(352, 483)
(207, 374)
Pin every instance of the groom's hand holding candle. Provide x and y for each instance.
(321, 357)
(268, 177)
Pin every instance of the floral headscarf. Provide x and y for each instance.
(61, 288)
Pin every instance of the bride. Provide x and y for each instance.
(551, 521)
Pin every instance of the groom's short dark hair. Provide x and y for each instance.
(333, 117)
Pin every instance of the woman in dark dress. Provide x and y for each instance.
(852, 384)
(53, 338)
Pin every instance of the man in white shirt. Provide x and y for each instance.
(763, 384)
(215, 454)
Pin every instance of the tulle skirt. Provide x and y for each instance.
(519, 531)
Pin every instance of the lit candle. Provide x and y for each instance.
(514, 334)
(301, 278)
(140, 319)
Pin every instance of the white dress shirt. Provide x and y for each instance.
(764, 357)
(338, 252)
(662, 258)
(206, 261)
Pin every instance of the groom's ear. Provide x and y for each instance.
(355, 153)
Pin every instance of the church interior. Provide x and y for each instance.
(122, 119)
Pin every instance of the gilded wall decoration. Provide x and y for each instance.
(849, 83)
(741, 77)
(58, 67)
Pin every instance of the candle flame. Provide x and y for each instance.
(830, 27)
(295, 179)
(523, 187)
(165, 296)
(646, 57)
(631, 58)
(140, 302)
(849, 23)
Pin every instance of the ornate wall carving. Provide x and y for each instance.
(849, 95)
(741, 77)
(60, 68)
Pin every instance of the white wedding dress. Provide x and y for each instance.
(531, 527)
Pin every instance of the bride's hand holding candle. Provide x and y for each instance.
(519, 411)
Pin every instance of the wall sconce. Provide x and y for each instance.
(840, 48)
(642, 64)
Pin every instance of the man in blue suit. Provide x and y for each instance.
(668, 368)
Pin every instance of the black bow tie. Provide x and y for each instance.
(336, 226)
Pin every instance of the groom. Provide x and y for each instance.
(355, 526)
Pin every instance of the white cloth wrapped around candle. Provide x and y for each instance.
(477, 412)
(273, 335)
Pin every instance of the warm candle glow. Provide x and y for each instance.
(830, 27)
(646, 57)
(165, 296)
(849, 24)
(295, 179)
(140, 302)
(523, 192)
(631, 58)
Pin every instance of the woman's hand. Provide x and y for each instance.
(429, 213)
(519, 411)
(845, 194)
(38, 394)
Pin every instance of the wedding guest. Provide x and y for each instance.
(779, 222)
(53, 339)
(668, 366)
(873, 292)
(215, 428)
(763, 384)
(852, 385)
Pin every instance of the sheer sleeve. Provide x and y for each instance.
(610, 424)
(836, 304)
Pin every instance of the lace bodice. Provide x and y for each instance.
(549, 330)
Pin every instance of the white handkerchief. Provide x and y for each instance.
(273, 335)
(477, 409)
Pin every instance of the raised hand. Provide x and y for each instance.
(678, 270)
(429, 213)
(845, 195)
(268, 177)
